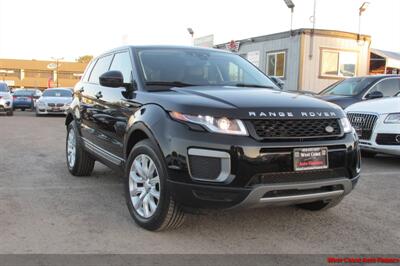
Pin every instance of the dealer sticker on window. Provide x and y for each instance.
(310, 158)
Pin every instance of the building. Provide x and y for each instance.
(307, 59)
(40, 74)
(384, 62)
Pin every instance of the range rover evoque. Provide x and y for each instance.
(198, 128)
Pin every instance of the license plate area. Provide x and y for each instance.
(310, 158)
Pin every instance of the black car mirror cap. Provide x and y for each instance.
(115, 79)
(374, 95)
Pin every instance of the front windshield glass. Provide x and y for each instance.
(186, 67)
(57, 93)
(349, 87)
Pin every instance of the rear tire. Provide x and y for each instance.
(10, 113)
(320, 205)
(22, 109)
(79, 161)
(143, 186)
(368, 154)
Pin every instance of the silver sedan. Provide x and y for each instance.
(54, 101)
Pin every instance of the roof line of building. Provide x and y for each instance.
(309, 31)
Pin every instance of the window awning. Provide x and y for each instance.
(392, 58)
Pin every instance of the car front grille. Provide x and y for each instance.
(55, 104)
(296, 129)
(363, 124)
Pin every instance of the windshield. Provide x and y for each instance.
(163, 68)
(3, 87)
(23, 93)
(348, 87)
(57, 93)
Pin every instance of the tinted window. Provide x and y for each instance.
(3, 87)
(122, 63)
(102, 65)
(199, 67)
(349, 87)
(85, 76)
(57, 93)
(388, 87)
(23, 93)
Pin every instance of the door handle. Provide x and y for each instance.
(99, 95)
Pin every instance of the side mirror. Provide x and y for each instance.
(280, 84)
(113, 79)
(374, 95)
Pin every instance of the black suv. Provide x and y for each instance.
(202, 128)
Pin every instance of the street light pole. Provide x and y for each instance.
(290, 5)
(362, 8)
(57, 65)
(191, 32)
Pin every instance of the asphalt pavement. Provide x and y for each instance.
(43, 209)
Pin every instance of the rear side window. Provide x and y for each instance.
(102, 65)
(122, 63)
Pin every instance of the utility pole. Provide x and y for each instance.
(362, 8)
(57, 66)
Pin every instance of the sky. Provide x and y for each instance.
(41, 29)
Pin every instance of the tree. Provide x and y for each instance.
(84, 58)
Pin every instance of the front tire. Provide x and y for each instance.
(79, 161)
(148, 199)
(320, 205)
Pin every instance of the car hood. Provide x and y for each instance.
(56, 99)
(380, 106)
(341, 100)
(241, 103)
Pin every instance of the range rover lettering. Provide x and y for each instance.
(200, 128)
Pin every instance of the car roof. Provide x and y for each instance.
(62, 89)
(138, 47)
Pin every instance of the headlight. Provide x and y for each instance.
(217, 125)
(393, 118)
(347, 128)
(40, 103)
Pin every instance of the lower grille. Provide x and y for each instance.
(303, 176)
(363, 124)
(388, 139)
(299, 128)
(202, 167)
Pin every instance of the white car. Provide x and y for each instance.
(6, 100)
(377, 123)
(54, 101)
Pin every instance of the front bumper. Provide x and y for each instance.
(379, 129)
(260, 173)
(50, 111)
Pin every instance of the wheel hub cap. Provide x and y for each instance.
(144, 186)
(71, 148)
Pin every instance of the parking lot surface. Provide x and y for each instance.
(43, 209)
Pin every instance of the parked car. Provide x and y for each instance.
(377, 123)
(6, 100)
(189, 132)
(54, 101)
(352, 90)
(23, 99)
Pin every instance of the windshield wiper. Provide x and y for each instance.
(253, 85)
(169, 83)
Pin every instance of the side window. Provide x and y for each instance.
(101, 66)
(388, 87)
(88, 69)
(122, 63)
